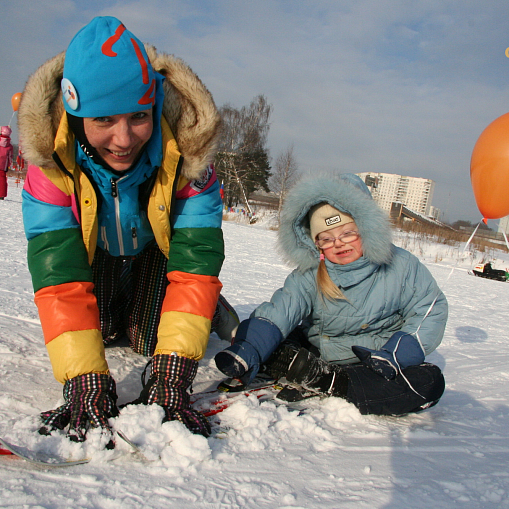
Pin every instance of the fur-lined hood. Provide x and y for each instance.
(347, 193)
(188, 108)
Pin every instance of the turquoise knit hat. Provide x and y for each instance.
(107, 71)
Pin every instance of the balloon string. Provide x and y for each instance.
(449, 277)
(13, 113)
(505, 237)
(416, 333)
(472, 236)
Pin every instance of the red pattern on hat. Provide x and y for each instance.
(107, 47)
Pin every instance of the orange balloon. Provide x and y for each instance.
(489, 169)
(16, 98)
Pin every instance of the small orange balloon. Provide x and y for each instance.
(16, 98)
(489, 169)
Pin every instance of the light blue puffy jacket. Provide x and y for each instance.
(380, 300)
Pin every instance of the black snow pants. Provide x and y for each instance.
(417, 388)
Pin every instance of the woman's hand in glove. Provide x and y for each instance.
(170, 377)
(90, 400)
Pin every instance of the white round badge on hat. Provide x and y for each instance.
(69, 93)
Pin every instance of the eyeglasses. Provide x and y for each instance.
(346, 238)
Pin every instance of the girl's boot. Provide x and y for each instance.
(310, 372)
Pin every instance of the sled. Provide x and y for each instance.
(486, 271)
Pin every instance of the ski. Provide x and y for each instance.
(213, 402)
(37, 458)
(9, 449)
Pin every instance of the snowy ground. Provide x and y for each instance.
(453, 455)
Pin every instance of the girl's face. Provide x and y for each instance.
(119, 139)
(341, 252)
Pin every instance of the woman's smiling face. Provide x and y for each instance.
(119, 139)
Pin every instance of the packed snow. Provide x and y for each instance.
(326, 456)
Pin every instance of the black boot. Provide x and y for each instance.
(279, 362)
(317, 375)
(301, 367)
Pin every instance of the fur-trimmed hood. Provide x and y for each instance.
(188, 108)
(347, 193)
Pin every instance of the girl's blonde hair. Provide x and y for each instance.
(324, 283)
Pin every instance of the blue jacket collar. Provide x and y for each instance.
(351, 273)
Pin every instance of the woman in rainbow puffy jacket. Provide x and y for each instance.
(121, 190)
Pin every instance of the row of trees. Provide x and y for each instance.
(243, 161)
(467, 224)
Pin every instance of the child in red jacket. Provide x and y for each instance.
(5, 158)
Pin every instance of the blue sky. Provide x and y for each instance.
(397, 86)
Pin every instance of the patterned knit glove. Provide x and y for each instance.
(170, 377)
(89, 401)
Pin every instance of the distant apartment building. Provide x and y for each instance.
(434, 212)
(414, 192)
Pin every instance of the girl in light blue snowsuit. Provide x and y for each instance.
(366, 311)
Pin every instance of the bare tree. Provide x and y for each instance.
(284, 176)
(242, 161)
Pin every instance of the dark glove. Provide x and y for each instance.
(170, 377)
(90, 400)
(402, 350)
(254, 342)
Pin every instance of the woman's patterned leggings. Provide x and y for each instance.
(130, 293)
